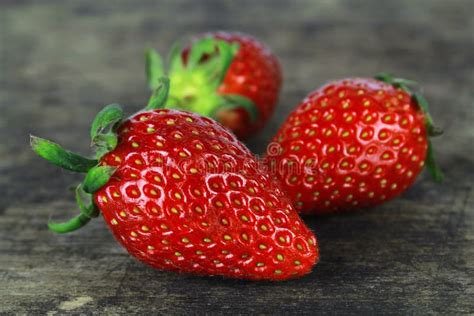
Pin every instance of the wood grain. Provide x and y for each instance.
(62, 61)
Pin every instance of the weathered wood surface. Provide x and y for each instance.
(62, 61)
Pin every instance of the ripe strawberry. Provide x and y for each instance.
(181, 193)
(353, 143)
(231, 77)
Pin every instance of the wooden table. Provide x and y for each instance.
(62, 61)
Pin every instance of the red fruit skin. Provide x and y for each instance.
(353, 143)
(188, 196)
(255, 73)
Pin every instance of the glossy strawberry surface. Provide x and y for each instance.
(351, 144)
(188, 196)
(255, 73)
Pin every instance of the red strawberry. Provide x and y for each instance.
(353, 143)
(231, 77)
(181, 193)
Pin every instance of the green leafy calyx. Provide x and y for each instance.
(104, 139)
(431, 130)
(196, 77)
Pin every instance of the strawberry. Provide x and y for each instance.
(353, 143)
(231, 77)
(181, 193)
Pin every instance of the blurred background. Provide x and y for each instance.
(62, 61)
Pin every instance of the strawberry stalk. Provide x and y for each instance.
(197, 77)
(103, 139)
(431, 129)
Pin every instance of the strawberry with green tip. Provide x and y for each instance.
(181, 193)
(353, 143)
(231, 77)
